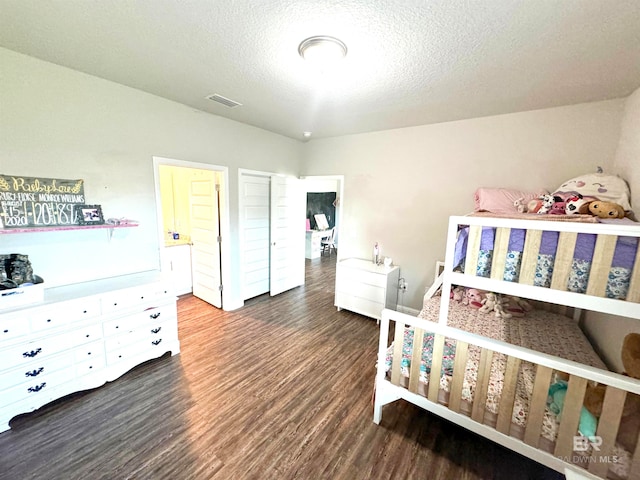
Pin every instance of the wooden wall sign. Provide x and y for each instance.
(28, 202)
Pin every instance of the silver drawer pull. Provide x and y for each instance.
(34, 373)
(32, 353)
(37, 388)
(156, 330)
(157, 342)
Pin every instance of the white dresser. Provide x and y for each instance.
(82, 336)
(366, 288)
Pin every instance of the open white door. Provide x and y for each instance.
(205, 231)
(287, 233)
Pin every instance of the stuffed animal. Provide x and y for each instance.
(520, 206)
(547, 203)
(606, 209)
(458, 294)
(594, 395)
(534, 205)
(576, 204)
(557, 392)
(473, 297)
(517, 307)
(499, 308)
(558, 208)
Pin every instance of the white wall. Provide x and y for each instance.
(59, 123)
(608, 332)
(402, 185)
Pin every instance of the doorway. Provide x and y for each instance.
(192, 209)
(325, 195)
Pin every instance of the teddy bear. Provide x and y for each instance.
(606, 209)
(594, 395)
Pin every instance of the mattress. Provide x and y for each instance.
(539, 330)
(619, 274)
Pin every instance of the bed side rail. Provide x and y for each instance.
(567, 443)
(601, 264)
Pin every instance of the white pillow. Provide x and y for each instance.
(597, 186)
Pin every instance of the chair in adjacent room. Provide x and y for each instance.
(328, 243)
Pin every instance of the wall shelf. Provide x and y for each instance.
(68, 227)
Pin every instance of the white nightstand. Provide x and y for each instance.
(366, 288)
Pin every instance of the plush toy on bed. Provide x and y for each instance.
(557, 393)
(547, 203)
(558, 208)
(594, 395)
(473, 297)
(520, 206)
(576, 204)
(606, 209)
(492, 302)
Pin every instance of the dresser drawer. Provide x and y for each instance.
(362, 290)
(24, 353)
(35, 370)
(90, 366)
(86, 333)
(13, 327)
(62, 313)
(129, 323)
(359, 305)
(131, 297)
(351, 275)
(89, 351)
(36, 389)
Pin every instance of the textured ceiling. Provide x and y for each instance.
(410, 62)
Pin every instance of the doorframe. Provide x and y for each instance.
(339, 211)
(225, 227)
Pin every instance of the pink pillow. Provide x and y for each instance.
(500, 200)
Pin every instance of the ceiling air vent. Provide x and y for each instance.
(227, 102)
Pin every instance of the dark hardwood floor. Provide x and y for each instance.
(279, 389)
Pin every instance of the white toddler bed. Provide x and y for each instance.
(503, 395)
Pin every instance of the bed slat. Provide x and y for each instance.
(538, 405)
(459, 367)
(530, 256)
(634, 285)
(396, 362)
(482, 385)
(564, 259)
(570, 416)
(505, 411)
(473, 250)
(436, 368)
(416, 358)
(608, 427)
(599, 273)
(500, 248)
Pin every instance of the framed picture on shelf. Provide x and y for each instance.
(88, 214)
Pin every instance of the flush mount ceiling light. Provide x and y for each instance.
(322, 49)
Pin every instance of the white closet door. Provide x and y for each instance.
(287, 233)
(254, 213)
(205, 251)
